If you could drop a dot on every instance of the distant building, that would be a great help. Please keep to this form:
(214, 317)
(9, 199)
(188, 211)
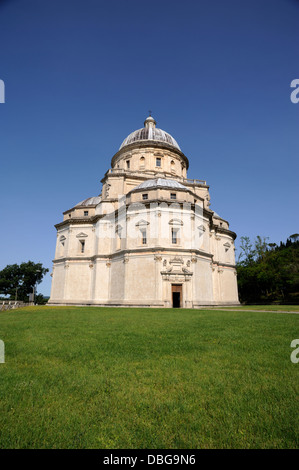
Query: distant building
(150, 237)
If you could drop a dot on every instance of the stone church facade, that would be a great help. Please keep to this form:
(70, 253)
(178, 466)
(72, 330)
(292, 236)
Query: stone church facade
(149, 239)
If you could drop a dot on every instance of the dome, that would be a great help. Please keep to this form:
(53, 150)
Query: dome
(90, 201)
(150, 132)
(162, 183)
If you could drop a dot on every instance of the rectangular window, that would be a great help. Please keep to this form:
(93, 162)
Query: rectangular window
(85, 213)
(172, 196)
(174, 236)
(144, 197)
(82, 242)
(144, 239)
(158, 161)
(128, 164)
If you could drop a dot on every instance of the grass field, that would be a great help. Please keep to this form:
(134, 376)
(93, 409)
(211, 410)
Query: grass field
(148, 378)
(267, 308)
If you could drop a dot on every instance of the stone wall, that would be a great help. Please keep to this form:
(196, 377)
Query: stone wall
(11, 304)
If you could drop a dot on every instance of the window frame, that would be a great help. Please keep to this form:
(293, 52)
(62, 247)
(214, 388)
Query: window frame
(143, 236)
(82, 246)
(174, 236)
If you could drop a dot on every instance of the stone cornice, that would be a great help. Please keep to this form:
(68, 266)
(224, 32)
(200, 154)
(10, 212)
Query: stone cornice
(224, 265)
(121, 253)
(167, 188)
(91, 206)
(147, 175)
(78, 221)
(225, 231)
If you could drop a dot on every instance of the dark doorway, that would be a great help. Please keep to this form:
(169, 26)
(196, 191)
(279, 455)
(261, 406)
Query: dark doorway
(176, 295)
(176, 299)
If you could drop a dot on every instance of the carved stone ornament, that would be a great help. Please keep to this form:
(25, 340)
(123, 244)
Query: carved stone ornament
(177, 272)
(176, 260)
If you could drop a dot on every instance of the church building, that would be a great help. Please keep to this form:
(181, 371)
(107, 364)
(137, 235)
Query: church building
(149, 239)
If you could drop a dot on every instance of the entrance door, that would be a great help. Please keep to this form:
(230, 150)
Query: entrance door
(177, 297)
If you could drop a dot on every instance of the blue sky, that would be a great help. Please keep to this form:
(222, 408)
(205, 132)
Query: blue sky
(80, 76)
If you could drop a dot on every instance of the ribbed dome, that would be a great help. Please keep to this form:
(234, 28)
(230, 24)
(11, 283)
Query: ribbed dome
(150, 132)
(90, 201)
(162, 183)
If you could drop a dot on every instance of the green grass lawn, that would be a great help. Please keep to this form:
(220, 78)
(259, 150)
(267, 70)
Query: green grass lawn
(147, 378)
(274, 308)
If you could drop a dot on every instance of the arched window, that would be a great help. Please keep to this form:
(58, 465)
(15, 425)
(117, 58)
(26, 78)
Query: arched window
(142, 163)
(172, 166)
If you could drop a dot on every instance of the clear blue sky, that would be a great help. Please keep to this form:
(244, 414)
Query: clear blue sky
(81, 75)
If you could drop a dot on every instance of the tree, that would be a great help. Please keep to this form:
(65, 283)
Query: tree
(251, 252)
(246, 255)
(10, 279)
(267, 272)
(18, 281)
(260, 247)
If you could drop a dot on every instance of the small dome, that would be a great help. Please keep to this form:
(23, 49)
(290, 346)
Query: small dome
(90, 201)
(161, 183)
(148, 120)
(150, 132)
